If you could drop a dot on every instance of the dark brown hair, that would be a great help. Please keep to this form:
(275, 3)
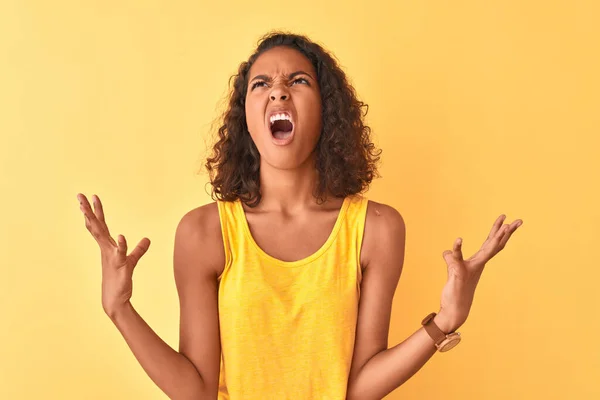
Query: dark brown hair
(345, 157)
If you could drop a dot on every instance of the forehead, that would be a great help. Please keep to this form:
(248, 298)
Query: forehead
(281, 61)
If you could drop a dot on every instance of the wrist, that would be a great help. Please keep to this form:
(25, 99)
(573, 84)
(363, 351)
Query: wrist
(115, 313)
(445, 323)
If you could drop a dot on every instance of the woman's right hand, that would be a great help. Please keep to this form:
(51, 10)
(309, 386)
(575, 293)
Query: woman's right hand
(117, 267)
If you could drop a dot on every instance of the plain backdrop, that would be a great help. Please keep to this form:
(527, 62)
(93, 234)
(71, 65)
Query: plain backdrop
(481, 108)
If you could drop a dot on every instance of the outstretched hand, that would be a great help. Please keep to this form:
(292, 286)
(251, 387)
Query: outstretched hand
(463, 275)
(117, 266)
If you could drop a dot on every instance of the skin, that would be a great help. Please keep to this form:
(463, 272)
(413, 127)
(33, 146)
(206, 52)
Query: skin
(378, 370)
(287, 177)
(287, 173)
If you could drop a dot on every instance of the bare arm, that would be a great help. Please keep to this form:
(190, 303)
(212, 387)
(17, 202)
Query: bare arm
(177, 374)
(377, 370)
(390, 368)
(193, 372)
(172, 372)
(199, 257)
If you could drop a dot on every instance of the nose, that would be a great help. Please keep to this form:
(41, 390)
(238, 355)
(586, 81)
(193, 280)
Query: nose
(283, 97)
(279, 92)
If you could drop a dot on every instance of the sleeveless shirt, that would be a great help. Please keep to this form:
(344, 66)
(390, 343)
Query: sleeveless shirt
(287, 328)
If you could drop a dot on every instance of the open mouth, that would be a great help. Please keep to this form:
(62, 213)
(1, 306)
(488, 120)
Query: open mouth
(281, 125)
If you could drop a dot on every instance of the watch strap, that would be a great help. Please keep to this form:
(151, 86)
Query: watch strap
(432, 329)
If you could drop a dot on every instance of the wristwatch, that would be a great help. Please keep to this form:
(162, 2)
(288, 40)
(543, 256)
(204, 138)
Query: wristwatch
(443, 341)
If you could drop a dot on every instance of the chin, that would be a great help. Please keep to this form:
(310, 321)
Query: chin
(287, 161)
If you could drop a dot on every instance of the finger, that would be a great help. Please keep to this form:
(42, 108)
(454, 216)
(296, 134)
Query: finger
(85, 208)
(98, 207)
(99, 212)
(122, 246)
(87, 222)
(508, 233)
(98, 229)
(501, 233)
(490, 246)
(458, 249)
(140, 250)
(504, 239)
(496, 226)
(447, 254)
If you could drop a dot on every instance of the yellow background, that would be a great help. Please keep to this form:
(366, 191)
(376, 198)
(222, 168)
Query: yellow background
(481, 108)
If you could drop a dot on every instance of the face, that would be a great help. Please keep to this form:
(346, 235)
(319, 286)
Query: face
(282, 84)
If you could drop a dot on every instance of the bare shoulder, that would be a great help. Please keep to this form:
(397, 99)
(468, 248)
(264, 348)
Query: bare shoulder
(197, 258)
(384, 226)
(382, 259)
(201, 228)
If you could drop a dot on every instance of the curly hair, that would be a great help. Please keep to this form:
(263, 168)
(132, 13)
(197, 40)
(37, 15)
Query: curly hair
(346, 160)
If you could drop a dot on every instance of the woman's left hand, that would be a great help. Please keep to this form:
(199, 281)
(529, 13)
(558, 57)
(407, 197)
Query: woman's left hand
(463, 275)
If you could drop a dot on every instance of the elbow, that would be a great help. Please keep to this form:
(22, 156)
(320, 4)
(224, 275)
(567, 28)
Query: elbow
(195, 396)
(354, 392)
(350, 396)
(351, 393)
(354, 396)
(197, 392)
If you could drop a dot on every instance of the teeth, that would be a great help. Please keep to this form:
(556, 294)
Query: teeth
(276, 117)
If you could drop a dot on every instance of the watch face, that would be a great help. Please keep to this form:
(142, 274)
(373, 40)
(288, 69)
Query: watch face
(449, 343)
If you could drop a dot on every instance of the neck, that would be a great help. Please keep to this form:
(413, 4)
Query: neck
(289, 190)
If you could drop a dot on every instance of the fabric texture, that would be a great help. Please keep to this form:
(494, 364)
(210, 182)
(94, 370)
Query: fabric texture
(288, 328)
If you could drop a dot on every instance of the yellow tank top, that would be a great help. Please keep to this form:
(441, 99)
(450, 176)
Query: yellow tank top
(288, 328)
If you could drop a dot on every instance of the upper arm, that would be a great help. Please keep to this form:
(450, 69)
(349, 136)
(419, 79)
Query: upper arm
(384, 242)
(196, 259)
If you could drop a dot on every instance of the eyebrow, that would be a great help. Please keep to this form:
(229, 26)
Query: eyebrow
(290, 76)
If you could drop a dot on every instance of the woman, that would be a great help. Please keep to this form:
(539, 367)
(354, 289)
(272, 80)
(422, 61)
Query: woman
(286, 281)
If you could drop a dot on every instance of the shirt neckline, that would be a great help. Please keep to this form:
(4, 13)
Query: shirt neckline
(305, 260)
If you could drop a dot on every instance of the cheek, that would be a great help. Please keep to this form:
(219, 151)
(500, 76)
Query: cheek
(314, 113)
(254, 115)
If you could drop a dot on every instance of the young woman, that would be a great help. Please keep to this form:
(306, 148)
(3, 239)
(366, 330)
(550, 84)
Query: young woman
(286, 281)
